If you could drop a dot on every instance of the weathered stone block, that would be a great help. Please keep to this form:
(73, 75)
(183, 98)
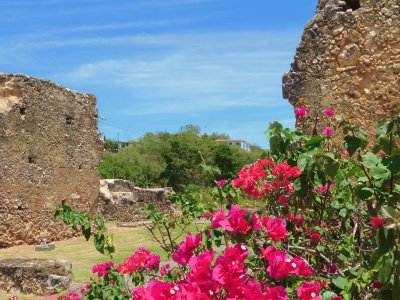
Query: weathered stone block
(35, 276)
(49, 153)
(351, 49)
(121, 201)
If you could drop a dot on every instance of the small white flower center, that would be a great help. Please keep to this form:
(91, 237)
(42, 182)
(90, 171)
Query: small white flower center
(294, 265)
(176, 288)
(211, 293)
(287, 260)
(243, 247)
(313, 294)
(233, 263)
(172, 291)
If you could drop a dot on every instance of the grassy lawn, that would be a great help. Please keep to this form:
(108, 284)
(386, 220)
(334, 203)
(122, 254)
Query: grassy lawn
(83, 255)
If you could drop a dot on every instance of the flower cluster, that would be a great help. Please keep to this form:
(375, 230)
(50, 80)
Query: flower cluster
(186, 249)
(257, 181)
(140, 260)
(228, 278)
(236, 221)
(102, 269)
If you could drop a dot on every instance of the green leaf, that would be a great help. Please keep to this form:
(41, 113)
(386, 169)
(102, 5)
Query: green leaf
(353, 143)
(390, 212)
(315, 141)
(370, 160)
(382, 127)
(380, 173)
(305, 160)
(340, 282)
(328, 295)
(386, 269)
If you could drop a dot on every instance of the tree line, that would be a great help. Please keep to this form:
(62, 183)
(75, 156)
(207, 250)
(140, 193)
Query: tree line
(175, 159)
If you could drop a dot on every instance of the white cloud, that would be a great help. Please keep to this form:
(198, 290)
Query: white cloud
(196, 72)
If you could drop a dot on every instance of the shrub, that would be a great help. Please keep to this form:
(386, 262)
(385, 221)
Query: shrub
(328, 229)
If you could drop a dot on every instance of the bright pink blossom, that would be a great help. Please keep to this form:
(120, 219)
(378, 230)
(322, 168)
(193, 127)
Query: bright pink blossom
(301, 112)
(377, 222)
(140, 260)
(323, 189)
(229, 266)
(309, 291)
(275, 293)
(72, 296)
(276, 228)
(186, 248)
(376, 284)
(315, 236)
(284, 170)
(283, 200)
(330, 112)
(102, 269)
(328, 131)
(221, 183)
(337, 298)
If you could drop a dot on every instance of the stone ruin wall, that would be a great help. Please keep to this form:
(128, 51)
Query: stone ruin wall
(49, 153)
(120, 201)
(349, 59)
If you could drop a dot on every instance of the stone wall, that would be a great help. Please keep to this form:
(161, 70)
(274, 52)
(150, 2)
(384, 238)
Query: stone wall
(121, 201)
(49, 153)
(349, 59)
(35, 276)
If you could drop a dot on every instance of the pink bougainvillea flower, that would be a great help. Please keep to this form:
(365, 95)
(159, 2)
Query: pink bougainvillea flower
(229, 267)
(330, 112)
(323, 189)
(220, 219)
(301, 112)
(284, 200)
(314, 237)
(157, 290)
(275, 293)
(164, 269)
(256, 222)
(377, 222)
(337, 298)
(328, 131)
(276, 228)
(309, 291)
(102, 269)
(186, 249)
(300, 267)
(71, 296)
(140, 260)
(221, 183)
(376, 284)
(237, 221)
(284, 170)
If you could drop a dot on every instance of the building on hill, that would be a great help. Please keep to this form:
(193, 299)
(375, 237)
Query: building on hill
(240, 143)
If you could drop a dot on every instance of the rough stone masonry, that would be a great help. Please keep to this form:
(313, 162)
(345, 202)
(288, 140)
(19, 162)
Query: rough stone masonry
(349, 59)
(49, 153)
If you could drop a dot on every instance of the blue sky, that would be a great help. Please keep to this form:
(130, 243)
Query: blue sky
(156, 65)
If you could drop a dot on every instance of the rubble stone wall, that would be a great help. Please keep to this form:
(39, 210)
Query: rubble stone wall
(35, 276)
(349, 59)
(49, 153)
(120, 201)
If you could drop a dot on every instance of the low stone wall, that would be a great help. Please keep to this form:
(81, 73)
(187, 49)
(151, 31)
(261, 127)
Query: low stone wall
(35, 276)
(120, 201)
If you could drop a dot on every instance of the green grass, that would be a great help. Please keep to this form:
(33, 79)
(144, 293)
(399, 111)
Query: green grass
(83, 255)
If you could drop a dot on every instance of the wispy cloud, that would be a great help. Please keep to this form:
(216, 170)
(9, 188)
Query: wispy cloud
(194, 73)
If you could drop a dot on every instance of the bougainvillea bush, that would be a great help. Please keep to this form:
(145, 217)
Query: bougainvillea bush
(328, 226)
